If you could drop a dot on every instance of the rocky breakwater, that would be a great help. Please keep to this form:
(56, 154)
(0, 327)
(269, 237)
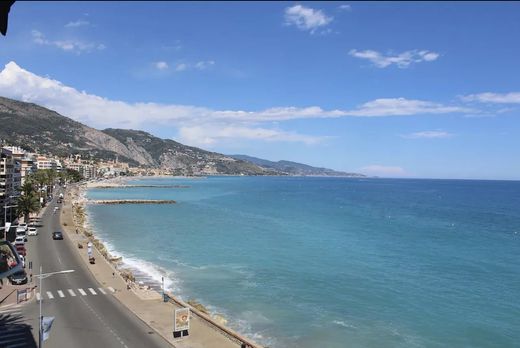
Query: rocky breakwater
(133, 201)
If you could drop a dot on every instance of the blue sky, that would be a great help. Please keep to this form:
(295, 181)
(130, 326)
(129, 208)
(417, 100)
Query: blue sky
(425, 90)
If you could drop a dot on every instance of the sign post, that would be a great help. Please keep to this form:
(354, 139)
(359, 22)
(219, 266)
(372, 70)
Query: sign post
(181, 322)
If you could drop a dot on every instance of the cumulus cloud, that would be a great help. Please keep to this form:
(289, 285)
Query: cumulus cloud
(78, 23)
(76, 46)
(161, 65)
(306, 18)
(428, 135)
(100, 112)
(385, 171)
(497, 98)
(402, 60)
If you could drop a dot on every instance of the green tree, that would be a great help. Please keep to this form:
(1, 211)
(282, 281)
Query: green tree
(39, 178)
(72, 175)
(27, 204)
(28, 188)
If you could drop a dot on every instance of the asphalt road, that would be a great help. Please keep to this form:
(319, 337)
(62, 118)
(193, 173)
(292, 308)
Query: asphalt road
(86, 314)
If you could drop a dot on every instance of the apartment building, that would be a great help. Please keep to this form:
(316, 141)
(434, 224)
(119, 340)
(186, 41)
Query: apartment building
(10, 182)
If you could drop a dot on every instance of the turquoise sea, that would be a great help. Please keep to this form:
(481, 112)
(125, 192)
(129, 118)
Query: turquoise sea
(332, 262)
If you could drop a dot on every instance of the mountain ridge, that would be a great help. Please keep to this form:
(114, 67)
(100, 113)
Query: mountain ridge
(45, 131)
(295, 168)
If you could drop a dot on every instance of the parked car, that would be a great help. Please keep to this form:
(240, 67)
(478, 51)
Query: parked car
(19, 240)
(57, 235)
(32, 231)
(20, 249)
(18, 278)
(21, 233)
(22, 225)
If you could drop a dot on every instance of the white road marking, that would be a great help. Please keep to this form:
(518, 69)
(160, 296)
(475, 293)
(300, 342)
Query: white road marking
(82, 292)
(92, 291)
(50, 295)
(38, 296)
(71, 292)
(61, 293)
(111, 289)
(102, 291)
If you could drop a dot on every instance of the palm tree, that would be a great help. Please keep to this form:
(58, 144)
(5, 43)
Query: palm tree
(27, 204)
(51, 178)
(28, 188)
(40, 178)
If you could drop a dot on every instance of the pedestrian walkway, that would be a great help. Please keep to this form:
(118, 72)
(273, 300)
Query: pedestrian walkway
(57, 294)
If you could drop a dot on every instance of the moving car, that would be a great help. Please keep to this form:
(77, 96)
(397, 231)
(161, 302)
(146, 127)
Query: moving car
(32, 231)
(18, 278)
(20, 240)
(23, 225)
(57, 235)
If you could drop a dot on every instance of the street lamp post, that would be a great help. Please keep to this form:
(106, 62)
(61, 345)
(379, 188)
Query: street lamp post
(40, 321)
(5, 216)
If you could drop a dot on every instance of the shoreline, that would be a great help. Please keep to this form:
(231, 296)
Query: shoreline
(142, 284)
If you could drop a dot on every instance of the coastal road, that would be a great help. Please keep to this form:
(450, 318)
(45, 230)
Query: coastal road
(86, 314)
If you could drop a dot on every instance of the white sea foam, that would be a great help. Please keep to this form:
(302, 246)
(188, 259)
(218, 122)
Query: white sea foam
(156, 273)
(344, 324)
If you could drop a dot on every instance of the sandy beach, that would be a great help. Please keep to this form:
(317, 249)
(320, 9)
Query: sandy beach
(133, 290)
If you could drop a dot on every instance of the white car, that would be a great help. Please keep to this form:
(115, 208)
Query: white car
(32, 231)
(24, 226)
(19, 240)
(21, 233)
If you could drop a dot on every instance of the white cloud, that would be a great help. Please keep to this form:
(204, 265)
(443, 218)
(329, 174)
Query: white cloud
(76, 46)
(203, 65)
(402, 60)
(181, 67)
(404, 107)
(208, 135)
(306, 18)
(100, 112)
(345, 7)
(428, 135)
(161, 65)
(385, 171)
(78, 23)
(496, 98)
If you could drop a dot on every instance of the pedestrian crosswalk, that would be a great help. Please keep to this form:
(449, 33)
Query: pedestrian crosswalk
(51, 295)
